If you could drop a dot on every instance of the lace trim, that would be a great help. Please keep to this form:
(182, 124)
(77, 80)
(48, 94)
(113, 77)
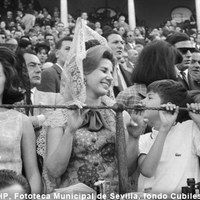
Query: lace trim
(56, 118)
(48, 183)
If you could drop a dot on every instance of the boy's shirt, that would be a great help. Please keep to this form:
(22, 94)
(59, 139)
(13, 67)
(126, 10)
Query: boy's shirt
(179, 159)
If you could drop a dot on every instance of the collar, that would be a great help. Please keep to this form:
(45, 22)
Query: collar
(154, 134)
(179, 74)
(33, 90)
(59, 66)
(131, 43)
(32, 94)
(141, 89)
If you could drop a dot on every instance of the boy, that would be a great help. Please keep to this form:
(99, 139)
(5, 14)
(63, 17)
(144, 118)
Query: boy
(169, 154)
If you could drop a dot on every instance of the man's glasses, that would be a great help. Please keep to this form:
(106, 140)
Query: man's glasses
(184, 50)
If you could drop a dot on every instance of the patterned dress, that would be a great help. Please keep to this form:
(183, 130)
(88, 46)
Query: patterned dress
(10, 142)
(93, 152)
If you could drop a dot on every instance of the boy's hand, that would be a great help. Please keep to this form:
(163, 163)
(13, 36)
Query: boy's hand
(136, 126)
(168, 117)
(194, 112)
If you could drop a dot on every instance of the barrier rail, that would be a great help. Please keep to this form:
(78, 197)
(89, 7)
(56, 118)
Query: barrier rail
(120, 134)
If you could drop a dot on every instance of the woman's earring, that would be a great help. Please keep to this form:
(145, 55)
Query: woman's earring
(85, 81)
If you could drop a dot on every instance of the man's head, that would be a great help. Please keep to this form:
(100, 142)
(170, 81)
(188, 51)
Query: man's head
(33, 65)
(197, 39)
(17, 35)
(25, 43)
(49, 38)
(132, 55)
(84, 15)
(183, 43)
(2, 36)
(62, 49)
(196, 60)
(116, 43)
(130, 37)
(194, 69)
(11, 183)
(60, 27)
(9, 14)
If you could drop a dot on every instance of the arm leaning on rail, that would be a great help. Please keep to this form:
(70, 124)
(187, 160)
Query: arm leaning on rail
(135, 126)
(72, 107)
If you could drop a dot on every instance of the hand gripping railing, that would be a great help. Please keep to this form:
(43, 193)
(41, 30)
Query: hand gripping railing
(120, 134)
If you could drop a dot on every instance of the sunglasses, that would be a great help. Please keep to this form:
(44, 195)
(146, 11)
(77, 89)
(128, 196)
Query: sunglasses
(184, 50)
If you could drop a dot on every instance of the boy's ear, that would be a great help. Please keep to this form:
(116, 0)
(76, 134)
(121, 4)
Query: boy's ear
(57, 53)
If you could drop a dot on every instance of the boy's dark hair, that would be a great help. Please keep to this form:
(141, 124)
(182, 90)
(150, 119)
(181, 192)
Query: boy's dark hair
(173, 92)
(59, 43)
(10, 178)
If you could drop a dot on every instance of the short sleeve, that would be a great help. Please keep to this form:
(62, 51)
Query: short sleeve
(57, 118)
(145, 143)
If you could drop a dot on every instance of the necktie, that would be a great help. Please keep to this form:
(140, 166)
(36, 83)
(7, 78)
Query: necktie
(183, 74)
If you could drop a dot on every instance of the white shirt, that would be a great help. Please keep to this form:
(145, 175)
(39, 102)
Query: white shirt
(132, 45)
(118, 79)
(179, 73)
(179, 159)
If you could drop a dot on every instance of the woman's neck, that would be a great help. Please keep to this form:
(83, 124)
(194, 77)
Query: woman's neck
(93, 101)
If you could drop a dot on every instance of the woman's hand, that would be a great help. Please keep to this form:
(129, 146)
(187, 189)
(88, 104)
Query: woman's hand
(75, 116)
(168, 116)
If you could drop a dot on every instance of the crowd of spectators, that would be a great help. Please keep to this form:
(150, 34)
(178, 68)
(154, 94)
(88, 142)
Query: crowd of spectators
(134, 60)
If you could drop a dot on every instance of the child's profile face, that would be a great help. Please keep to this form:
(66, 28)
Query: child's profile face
(152, 100)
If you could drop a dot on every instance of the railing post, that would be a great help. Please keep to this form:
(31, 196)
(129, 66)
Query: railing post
(121, 150)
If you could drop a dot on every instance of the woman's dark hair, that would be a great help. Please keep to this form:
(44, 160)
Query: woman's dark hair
(9, 178)
(173, 92)
(12, 92)
(40, 46)
(156, 62)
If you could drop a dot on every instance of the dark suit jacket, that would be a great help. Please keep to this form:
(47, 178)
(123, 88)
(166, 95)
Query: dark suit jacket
(50, 81)
(127, 78)
(184, 83)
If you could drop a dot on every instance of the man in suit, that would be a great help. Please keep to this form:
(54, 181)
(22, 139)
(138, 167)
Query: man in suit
(33, 66)
(51, 76)
(121, 79)
(186, 47)
(130, 41)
